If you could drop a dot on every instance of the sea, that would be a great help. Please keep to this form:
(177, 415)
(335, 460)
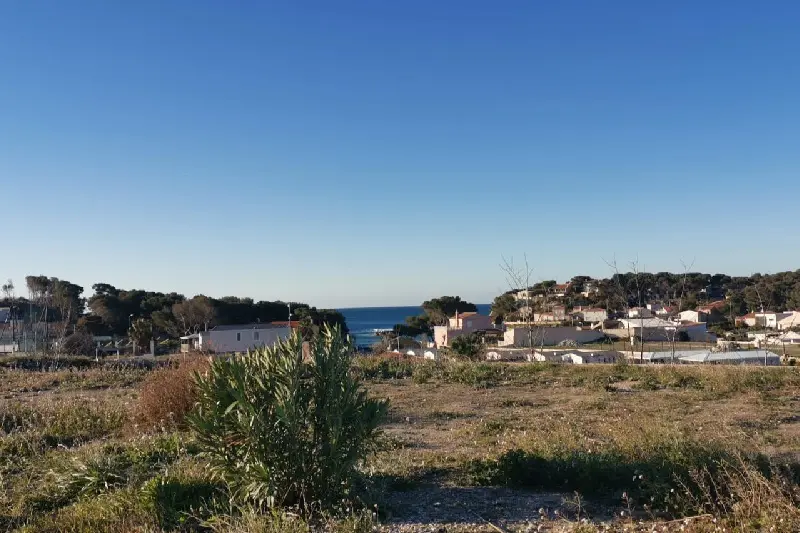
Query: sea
(365, 322)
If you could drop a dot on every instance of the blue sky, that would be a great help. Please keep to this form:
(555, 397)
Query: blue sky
(380, 153)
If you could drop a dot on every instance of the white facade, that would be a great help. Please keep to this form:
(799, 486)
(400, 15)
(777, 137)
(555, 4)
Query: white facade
(546, 336)
(239, 338)
(524, 294)
(639, 312)
(791, 320)
(656, 329)
(593, 315)
(692, 316)
(770, 320)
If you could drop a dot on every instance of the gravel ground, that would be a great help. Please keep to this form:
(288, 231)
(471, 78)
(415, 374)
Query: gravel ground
(461, 509)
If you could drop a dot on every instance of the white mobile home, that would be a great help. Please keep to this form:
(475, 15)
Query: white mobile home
(235, 338)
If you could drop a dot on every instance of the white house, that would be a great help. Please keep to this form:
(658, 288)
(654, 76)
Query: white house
(546, 336)
(666, 311)
(693, 316)
(748, 320)
(790, 337)
(770, 319)
(235, 338)
(524, 294)
(592, 314)
(791, 320)
(657, 329)
(639, 312)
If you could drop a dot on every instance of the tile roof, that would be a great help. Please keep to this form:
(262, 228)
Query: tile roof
(257, 325)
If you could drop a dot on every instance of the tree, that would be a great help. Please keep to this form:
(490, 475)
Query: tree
(67, 300)
(421, 323)
(79, 343)
(192, 316)
(92, 325)
(39, 292)
(439, 310)
(8, 291)
(313, 320)
(141, 332)
(10, 299)
(505, 307)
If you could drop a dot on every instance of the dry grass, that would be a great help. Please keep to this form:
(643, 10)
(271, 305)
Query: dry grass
(724, 439)
(168, 394)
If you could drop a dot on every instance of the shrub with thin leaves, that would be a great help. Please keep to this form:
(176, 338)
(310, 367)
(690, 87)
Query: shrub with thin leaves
(283, 430)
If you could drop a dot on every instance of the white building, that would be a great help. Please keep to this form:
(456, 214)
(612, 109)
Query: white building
(547, 336)
(639, 312)
(693, 316)
(770, 319)
(657, 329)
(235, 338)
(592, 314)
(791, 320)
(790, 337)
(524, 295)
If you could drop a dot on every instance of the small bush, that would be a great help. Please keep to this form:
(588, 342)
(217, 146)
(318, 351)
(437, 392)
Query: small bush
(386, 366)
(282, 431)
(168, 394)
(78, 344)
(468, 347)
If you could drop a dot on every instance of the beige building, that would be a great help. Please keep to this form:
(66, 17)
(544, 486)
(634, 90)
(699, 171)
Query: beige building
(460, 324)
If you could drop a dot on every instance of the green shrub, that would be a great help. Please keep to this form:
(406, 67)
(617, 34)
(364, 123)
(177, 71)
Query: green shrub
(467, 346)
(386, 366)
(279, 430)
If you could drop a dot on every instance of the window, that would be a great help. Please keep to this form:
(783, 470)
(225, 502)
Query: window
(238, 337)
(255, 335)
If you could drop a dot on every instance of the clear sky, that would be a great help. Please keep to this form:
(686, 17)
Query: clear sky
(350, 153)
